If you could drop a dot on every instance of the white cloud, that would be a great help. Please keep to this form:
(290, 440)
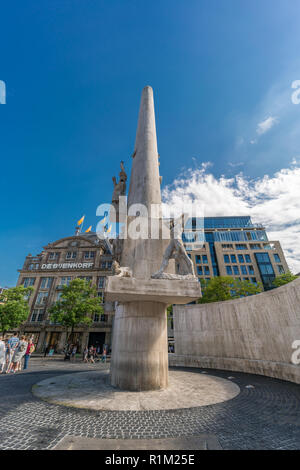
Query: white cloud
(273, 201)
(266, 125)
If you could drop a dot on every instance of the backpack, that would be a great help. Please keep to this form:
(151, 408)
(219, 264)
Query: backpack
(22, 347)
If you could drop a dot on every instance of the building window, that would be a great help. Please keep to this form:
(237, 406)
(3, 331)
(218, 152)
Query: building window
(89, 254)
(29, 281)
(37, 315)
(101, 282)
(33, 266)
(255, 246)
(100, 294)
(41, 298)
(243, 270)
(226, 259)
(53, 255)
(86, 278)
(277, 258)
(71, 254)
(96, 317)
(229, 270)
(204, 259)
(248, 258)
(280, 269)
(199, 270)
(250, 270)
(240, 246)
(198, 259)
(105, 264)
(236, 270)
(65, 281)
(233, 258)
(227, 247)
(266, 269)
(253, 280)
(58, 296)
(206, 271)
(262, 257)
(241, 259)
(46, 282)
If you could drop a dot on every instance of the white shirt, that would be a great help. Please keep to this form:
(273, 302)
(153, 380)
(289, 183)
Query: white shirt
(2, 351)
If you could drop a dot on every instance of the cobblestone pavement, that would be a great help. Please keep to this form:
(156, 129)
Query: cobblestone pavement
(265, 415)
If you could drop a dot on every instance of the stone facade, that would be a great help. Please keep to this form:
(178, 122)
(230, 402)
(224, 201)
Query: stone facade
(82, 255)
(255, 334)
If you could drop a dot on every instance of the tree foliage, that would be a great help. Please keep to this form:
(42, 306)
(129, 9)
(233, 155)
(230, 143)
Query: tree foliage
(14, 309)
(77, 303)
(284, 279)
(222, 288)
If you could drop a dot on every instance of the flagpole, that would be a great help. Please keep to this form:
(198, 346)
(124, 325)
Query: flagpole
(81, 225)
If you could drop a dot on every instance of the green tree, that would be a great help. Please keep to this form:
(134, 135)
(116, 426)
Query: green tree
(14, 308)
(76, 305)
(222, 288)
(284, 279)
(169, 314)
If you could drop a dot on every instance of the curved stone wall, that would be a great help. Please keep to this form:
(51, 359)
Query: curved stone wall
(253, 334)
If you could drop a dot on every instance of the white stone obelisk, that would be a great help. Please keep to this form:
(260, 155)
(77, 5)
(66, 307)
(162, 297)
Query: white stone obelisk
(139, 348)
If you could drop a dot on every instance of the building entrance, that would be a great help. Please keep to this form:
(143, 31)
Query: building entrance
(97, 340)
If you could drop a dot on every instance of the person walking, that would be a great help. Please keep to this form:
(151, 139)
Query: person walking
(12, 344)
(2, 353)
(47, 349)
(19, 352)
(30, 349)
(85, 354)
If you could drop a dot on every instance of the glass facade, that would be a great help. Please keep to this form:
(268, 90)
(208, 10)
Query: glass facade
(223, 239)
(266, 269)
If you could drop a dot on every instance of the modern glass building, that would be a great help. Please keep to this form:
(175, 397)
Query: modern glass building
(233, 246)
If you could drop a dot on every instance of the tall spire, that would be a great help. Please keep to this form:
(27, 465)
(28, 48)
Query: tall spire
(144, 182)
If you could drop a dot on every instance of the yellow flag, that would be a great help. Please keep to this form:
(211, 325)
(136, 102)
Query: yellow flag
(80, 220)
(89, 229)
(108, 230)
(103, 220)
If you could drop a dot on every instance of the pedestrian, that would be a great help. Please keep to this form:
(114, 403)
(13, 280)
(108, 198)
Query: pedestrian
(85, 354)
(19, 352)
(73, 352)
(103, 359)
(12, 344)
(2, 353)
(91, 355)
(30, 349)
(47, 349)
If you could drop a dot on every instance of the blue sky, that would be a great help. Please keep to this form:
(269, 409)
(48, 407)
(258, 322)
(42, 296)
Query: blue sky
(74, 70)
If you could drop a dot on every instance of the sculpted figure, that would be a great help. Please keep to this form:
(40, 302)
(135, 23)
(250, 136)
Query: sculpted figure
(120, 187)
(175, 250)
(121, 271)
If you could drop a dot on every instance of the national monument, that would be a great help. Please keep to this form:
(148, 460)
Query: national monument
(145, 282)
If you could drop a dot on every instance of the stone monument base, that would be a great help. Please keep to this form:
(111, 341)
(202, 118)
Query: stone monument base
(91, 390)
(167, 290)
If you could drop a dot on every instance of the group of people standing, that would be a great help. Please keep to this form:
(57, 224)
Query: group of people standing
(15, 353)
(91, 354)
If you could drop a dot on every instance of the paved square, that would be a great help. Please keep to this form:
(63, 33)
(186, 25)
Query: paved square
(264, 416)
